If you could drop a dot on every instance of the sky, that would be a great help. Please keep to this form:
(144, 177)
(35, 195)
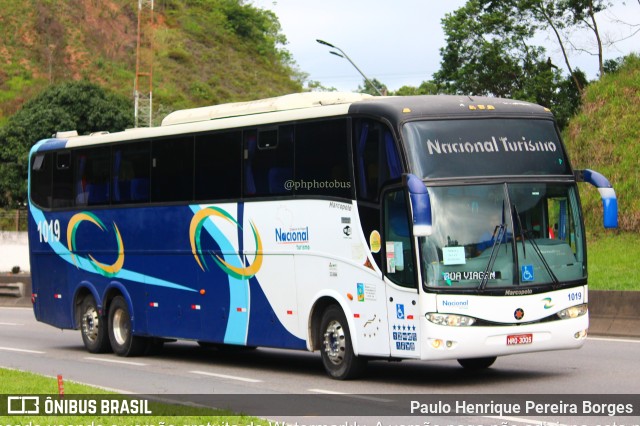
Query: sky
(398, 42)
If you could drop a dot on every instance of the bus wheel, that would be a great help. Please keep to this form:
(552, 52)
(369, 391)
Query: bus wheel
(93, 327)
(477, 363)
(337, 351)
(123, 342)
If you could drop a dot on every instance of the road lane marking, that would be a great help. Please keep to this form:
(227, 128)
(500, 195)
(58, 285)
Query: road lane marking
(115, 361)
(26, 351)
(365, 397)
(612, 339)
(527, 421)
(10, 323)
(224, 376)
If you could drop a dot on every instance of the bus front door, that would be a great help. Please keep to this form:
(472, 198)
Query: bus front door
(400, 280)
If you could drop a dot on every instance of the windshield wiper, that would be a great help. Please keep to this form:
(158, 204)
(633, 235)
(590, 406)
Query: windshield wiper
(536, 248)
(499, 233)
(515, 211)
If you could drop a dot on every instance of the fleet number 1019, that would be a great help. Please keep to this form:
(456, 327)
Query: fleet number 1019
(575, 296)
(49, 231)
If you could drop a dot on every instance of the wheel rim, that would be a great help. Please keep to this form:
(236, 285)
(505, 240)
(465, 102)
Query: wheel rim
(120, 326)
(91, 324)
(334, 342)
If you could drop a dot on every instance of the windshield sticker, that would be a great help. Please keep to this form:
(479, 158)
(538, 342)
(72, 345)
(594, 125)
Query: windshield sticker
(453, 255)
(526, 272)
(395, 256)
(449, 277)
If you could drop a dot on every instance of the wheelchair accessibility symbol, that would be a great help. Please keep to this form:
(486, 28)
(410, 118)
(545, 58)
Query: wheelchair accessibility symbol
(526, 272)
(400, 311)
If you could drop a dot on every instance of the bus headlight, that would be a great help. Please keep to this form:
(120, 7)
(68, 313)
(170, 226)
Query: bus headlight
(573, 312)
(450, 319)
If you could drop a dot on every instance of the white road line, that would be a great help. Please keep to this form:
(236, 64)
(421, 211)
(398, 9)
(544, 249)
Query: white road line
(527, 421)
(612, 339)
(115, 361)
(365, 397)
(26, 351)
(10, 323)
(224, 376)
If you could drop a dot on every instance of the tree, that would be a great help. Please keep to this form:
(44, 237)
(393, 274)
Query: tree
(562, 17)
(373, 87)
(426, 88)
(487, 51)
(80, 106)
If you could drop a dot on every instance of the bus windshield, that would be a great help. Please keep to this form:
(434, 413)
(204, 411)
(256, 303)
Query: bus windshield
(504, 235)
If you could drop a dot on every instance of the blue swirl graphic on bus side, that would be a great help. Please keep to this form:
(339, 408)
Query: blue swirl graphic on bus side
(61, 250)
(239, 294)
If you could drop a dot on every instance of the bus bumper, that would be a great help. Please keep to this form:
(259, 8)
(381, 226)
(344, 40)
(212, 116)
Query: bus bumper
(445, 342)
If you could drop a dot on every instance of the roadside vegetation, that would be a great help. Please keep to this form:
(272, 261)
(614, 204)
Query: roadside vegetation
(613, 261)
(19, 383)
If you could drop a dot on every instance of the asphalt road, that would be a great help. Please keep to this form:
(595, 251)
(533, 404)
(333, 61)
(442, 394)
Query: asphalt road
(601, 367)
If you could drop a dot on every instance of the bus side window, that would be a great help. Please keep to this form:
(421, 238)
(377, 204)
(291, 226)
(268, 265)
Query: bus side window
(376, 158)
(172, 169)
(62, 181)
(322, 159)
(91, 176)
(41, 170)
(268, 161)
(218, 166)
(397, 237)
(131, 170)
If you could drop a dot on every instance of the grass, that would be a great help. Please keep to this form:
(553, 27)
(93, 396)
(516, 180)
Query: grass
(13, 382)
(612, 261)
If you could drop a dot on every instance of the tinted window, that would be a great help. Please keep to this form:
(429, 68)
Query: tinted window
(397, 238)
(322, 159)
(92, 176)
(172, 169)
(492, 147)
(63, 195)
(218, 166)
(377, 158)
(41, 168)
(131, 170)
(268, 161)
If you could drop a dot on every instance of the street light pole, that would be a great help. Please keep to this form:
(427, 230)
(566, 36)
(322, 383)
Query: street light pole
(343, 55)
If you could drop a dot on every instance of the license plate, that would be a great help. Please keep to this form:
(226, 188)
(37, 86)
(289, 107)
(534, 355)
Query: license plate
(519, 339)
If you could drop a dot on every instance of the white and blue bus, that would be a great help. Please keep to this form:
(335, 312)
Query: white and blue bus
(430, 227)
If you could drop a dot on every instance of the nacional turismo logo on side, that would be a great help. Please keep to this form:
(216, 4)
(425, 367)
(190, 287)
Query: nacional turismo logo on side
(293, 235)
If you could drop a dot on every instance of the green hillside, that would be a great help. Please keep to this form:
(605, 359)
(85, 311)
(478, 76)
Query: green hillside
(205, 51)
(605, 136)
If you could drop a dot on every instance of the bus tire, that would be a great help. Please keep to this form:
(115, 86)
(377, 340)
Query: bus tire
(336, 349)
(477, 363)
(123, 342)
(93, 327)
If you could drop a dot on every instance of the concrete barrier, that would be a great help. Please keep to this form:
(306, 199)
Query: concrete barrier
(612, 313)
(15, 290)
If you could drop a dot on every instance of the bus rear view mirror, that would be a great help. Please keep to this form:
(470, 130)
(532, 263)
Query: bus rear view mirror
(607, 193)
(420, 206)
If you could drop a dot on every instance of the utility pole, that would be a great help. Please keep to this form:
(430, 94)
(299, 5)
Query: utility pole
(143, 85)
